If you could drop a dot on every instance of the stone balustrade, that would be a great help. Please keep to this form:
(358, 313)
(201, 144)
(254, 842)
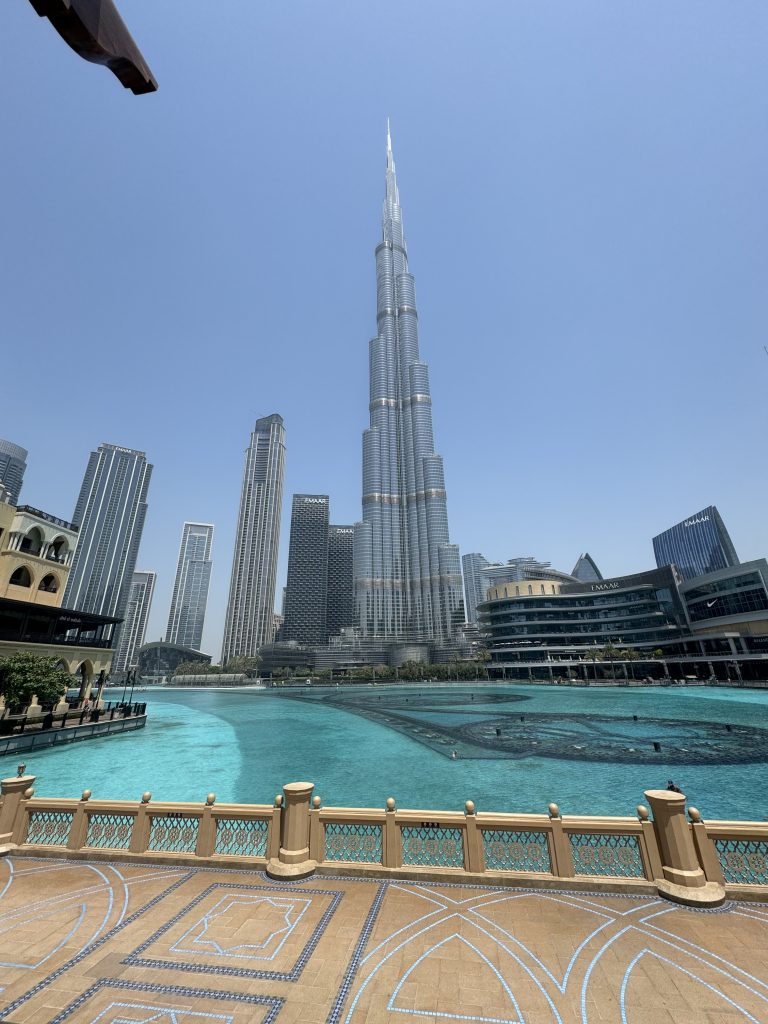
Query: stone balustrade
(657, 851)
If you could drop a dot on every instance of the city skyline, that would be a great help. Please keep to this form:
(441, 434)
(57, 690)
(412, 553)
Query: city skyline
(583, 227)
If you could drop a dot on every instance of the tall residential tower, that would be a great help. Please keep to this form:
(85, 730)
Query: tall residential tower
(110, 514)
(134, 629)
(407, 573)
(190, 589)
(307, 581)
(250, 609)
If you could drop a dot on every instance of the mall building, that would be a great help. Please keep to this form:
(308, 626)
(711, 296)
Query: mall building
(647, 625)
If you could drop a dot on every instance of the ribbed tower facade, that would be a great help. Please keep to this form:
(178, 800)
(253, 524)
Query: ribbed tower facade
(110, 513)
(134, 628)
(407, 573)
(250, 610)
(190, 589)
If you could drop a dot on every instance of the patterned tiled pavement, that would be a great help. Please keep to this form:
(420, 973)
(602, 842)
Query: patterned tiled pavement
(129, 944)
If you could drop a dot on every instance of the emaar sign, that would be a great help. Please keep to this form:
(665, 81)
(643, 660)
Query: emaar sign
(614, 585)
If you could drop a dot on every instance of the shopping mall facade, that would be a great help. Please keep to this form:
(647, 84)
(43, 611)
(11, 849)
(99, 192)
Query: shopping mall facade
(647, 625)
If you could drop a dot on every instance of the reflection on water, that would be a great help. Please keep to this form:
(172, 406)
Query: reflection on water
(244, 745)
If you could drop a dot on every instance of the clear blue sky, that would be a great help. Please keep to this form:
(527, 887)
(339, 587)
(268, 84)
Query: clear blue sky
(584, 188)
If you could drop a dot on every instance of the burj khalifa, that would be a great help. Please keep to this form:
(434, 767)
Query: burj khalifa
(407, 573)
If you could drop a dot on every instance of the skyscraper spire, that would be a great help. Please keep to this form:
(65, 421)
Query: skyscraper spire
(407, 573)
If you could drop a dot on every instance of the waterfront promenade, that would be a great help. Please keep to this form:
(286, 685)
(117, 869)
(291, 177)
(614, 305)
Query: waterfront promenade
(115, 942)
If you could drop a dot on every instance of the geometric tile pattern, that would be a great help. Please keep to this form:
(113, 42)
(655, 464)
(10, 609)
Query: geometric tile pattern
(109, 943)
(617, 856)
(433, 847)
(241, 838)
(349, 842)
(516, 851)
(231, 930)
(743, 862)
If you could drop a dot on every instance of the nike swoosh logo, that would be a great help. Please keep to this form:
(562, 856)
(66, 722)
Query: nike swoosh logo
(710, 603)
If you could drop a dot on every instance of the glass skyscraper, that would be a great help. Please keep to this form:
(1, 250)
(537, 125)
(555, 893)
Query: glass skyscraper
(134, 628)
(250, 609)
(407, 573)
(110, 513)
(13, 462)
(341, 605)
(697, 545)
(307, 582)
(190, 589)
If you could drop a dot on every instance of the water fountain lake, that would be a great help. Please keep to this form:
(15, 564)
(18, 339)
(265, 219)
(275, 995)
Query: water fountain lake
(582, 748)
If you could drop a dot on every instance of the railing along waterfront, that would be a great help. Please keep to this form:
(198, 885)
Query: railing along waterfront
(690, 861)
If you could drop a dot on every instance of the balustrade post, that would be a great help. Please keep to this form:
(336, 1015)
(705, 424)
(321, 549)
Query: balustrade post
(78, 830)
(654, 869)
(561, 855)
(474, 854)
(392, 846)
(705, 848)
(141, 826)
(206, 832)
(12, 807)
(316, 833)
(293, 859)
(273, 832)
(682, 879)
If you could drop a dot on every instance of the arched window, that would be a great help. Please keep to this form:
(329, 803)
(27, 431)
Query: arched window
(33, 541)
(517, 591)
(21, 577)
(530, 590)
(58, 550)
(542, 588)
(49, 584)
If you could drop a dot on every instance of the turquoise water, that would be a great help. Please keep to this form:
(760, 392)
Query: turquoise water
(244, 745)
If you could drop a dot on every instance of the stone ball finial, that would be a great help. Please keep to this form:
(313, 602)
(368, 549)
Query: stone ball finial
(316, 801)
(279, 800)
(554, 811)
(210, 799)
(469, 807)
(146, 797)
(86, 794)
(29, 793)
(642, 812)
(390, 803)
(694, 815)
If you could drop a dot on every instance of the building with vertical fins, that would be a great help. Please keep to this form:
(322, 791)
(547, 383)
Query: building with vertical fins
(407, 573)
(340, 604)
(307, 582)
(698, 545)
(13, 463)
(250, 609)
(110, 515)
(134, 627)
(190, 589)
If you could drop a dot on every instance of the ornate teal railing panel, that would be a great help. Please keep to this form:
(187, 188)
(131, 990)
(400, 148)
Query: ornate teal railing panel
(236, 837)
(433, 847)
(618, 856)
(169, 834)
(353, 842)
(49, 828)
(109, 831)
(516, 851)
(744, 862)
